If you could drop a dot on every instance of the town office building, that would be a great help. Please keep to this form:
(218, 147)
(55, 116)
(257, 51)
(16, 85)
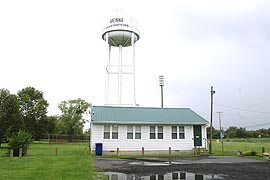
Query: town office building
(136, 130)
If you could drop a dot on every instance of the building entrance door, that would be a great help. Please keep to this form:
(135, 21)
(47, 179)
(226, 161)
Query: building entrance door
(197, 131)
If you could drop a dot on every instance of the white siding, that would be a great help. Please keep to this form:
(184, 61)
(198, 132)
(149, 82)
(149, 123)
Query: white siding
(125, 144)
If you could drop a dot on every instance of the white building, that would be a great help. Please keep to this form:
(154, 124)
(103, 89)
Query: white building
(143, 130)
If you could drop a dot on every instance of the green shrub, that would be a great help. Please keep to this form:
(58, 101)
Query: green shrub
(249, 153)
(20, 140)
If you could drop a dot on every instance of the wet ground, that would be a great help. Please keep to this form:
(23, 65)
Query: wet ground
(203, 167)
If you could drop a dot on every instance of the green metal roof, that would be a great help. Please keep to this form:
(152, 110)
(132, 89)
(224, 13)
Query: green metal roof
(144, 115)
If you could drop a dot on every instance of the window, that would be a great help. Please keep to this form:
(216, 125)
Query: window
(106, 134)
(182, 175)
(114, 176)
(181, 132)
(152, 132)
(129, 132)
(137, 132)
(153, 177)
(114, 132)
(160, 132)
(160, 177)
(174, 132)
(174, 175)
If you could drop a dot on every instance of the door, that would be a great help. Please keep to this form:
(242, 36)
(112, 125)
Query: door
(197, 131)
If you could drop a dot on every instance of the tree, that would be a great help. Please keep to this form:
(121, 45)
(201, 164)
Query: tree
(215, 133)
(11, 118)
(34, 109)
(3, 94)
(19, 140)
(71, 120)
(231, 132)
(49, 125)
(241, 133)
(264, 133)
(234, 132)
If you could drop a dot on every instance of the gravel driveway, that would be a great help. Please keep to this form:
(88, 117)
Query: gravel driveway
(218, 167)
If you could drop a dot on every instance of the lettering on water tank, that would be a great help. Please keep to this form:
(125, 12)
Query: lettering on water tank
(116, 20)
(116, 25)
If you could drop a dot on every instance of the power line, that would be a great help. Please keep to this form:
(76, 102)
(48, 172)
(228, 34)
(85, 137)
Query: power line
(257, 125)
(231, 107)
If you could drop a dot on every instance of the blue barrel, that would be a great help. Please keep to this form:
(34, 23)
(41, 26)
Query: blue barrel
(99, 149)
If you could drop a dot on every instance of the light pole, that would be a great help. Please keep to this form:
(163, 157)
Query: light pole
(161, 83)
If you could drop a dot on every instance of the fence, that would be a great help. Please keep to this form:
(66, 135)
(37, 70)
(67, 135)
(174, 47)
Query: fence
(62, 138)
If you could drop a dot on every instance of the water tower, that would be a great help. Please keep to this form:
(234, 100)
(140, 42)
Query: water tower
(120, 36)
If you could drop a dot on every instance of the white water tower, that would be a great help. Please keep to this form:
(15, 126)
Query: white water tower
(120, 36)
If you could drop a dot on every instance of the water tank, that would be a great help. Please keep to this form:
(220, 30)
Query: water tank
(119, 30)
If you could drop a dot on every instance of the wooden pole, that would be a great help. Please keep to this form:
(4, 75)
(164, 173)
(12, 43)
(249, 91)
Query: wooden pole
(10, 154)
(56, 151)
(263, 150)
(212, 92)
(142, 151)
(20, 152)
(161, 96)
(26, 152)
(170, 150)
(221, 131)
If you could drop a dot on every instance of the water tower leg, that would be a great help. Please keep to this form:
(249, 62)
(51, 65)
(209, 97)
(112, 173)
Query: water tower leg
(107, 79)
(133, 66)
(120, 75)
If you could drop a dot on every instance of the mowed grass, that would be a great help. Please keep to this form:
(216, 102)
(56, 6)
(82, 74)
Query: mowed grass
(232, 146)
(71, 162)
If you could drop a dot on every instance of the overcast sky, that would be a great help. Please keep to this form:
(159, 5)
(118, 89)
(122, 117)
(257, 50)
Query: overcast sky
(56, 47)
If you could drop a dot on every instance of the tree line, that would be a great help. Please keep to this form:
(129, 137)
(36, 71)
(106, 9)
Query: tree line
(235, 132)
(27, 110)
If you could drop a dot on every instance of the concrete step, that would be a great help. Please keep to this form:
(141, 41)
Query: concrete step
(201, 151)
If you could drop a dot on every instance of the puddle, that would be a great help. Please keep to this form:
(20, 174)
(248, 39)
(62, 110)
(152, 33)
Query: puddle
(150, 163)
(168, 176)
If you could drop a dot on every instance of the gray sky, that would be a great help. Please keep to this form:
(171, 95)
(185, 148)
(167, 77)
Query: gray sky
(56, 47)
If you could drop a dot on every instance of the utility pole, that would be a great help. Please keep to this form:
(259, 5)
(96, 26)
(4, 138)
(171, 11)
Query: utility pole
(161, 83)
(212, 92)
(221, 132)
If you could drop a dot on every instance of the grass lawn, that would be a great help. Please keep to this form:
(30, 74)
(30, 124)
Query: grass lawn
(41, 163)
(231, 146)
(73, 163)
